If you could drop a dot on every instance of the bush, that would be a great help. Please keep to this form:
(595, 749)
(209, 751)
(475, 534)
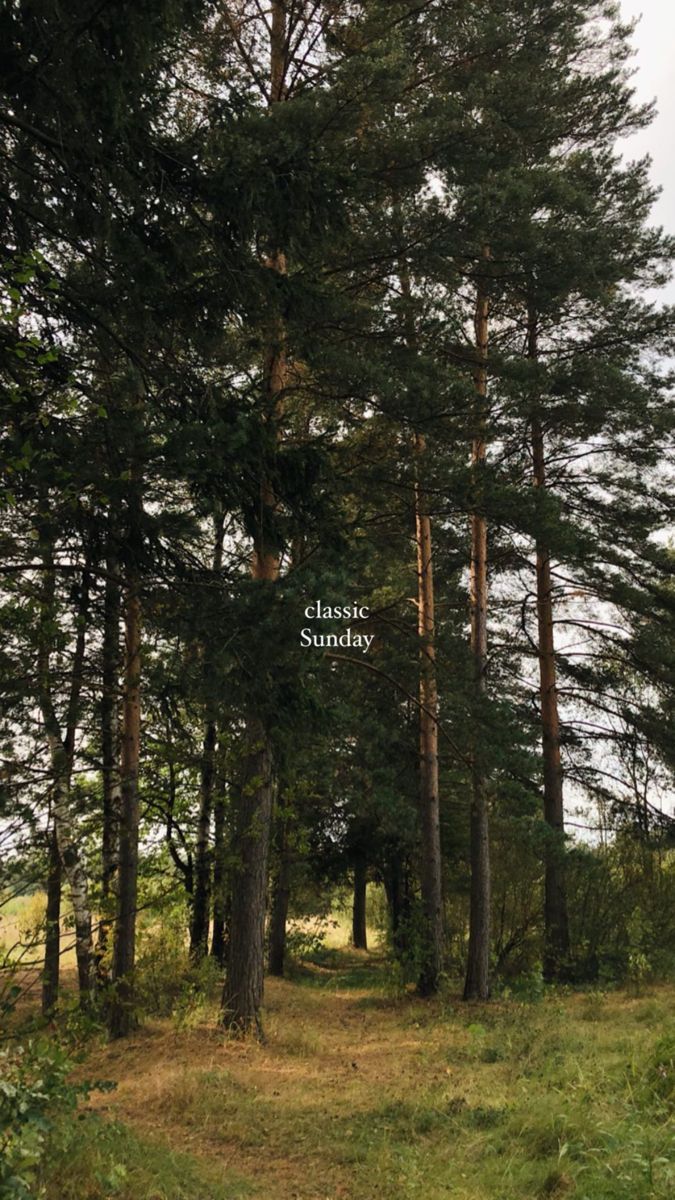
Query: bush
(306, 939)
(163, 965)
(168, 982)
(37, 1108)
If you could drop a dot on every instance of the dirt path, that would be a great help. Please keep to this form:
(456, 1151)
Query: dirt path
(358, 1096)
(277, 1111)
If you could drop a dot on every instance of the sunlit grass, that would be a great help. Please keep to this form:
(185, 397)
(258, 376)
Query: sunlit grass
(108, 1160)
(363, 1092)
(355, 1096)
(22, 927)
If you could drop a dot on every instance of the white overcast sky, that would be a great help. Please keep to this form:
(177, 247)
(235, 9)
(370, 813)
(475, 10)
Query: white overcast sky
(654, 41)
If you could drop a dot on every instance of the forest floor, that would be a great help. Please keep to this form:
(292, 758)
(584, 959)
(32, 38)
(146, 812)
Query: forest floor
(361, 1093)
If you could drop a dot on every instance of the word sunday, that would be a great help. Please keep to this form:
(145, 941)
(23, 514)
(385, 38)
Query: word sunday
(349, 639)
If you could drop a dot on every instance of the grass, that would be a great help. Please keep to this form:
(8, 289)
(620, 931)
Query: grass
(357, 1096)
(22, 927)
(363, 1092)
(108, 1159)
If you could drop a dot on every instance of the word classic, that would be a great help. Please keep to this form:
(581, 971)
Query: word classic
(318, 611)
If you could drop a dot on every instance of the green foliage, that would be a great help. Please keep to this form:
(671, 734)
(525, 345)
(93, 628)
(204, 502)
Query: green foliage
(37, 1115)
(306, 940)
(146, 203)
(621, 908)
(659, 1071)
(199, 993)
(163, 965)
(109, 1162)
(168, 982)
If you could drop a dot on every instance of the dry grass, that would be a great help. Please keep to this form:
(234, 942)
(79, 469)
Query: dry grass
(22, 928)
(360, 1093)
(355, 1095)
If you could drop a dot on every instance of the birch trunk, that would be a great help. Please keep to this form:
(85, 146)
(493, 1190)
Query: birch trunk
(220, 904)
(281, 894)
(201, 896)
(61, 751)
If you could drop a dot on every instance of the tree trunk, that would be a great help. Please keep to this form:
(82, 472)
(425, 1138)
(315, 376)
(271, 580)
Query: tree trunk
(278, 51)
(477, 984)
(122, 1017)
(392, 889)
(243, 991)
(431, 870)
(220, 903)
(359, 931)
(76, 875)
(556, 923)
(252, 818)
(201, 896)
(397, 888)
(109, 759)
(62, 751)
(281, 894)
(50, 974)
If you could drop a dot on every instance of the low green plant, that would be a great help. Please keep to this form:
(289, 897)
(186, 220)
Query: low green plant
(163, 964)
(659, 1075)
(307, 941)
(38, 1103)
(200, 987)
(110, 1162)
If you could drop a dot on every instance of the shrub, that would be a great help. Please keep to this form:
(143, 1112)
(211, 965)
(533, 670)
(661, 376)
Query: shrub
(37, 1108)
(163, 965)
(306, 939)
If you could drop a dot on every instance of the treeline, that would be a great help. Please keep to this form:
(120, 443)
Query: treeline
(350, 302)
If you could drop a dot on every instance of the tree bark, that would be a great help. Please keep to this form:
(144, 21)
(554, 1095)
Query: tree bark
(430, 820)
(122, 1018)
(201, 896)
(359, 930)
(220, 902)
(396, 886)
(431, 869)
(109, 759)
(62, 751)
(477, 983)
(556, 922)
(278, 51)
(50, 974)
(243, 991)
(281, 894)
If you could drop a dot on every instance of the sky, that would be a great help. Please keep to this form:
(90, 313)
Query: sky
(655, 80)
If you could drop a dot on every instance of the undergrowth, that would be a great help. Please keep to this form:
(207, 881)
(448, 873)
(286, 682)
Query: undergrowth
(360, 1093)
